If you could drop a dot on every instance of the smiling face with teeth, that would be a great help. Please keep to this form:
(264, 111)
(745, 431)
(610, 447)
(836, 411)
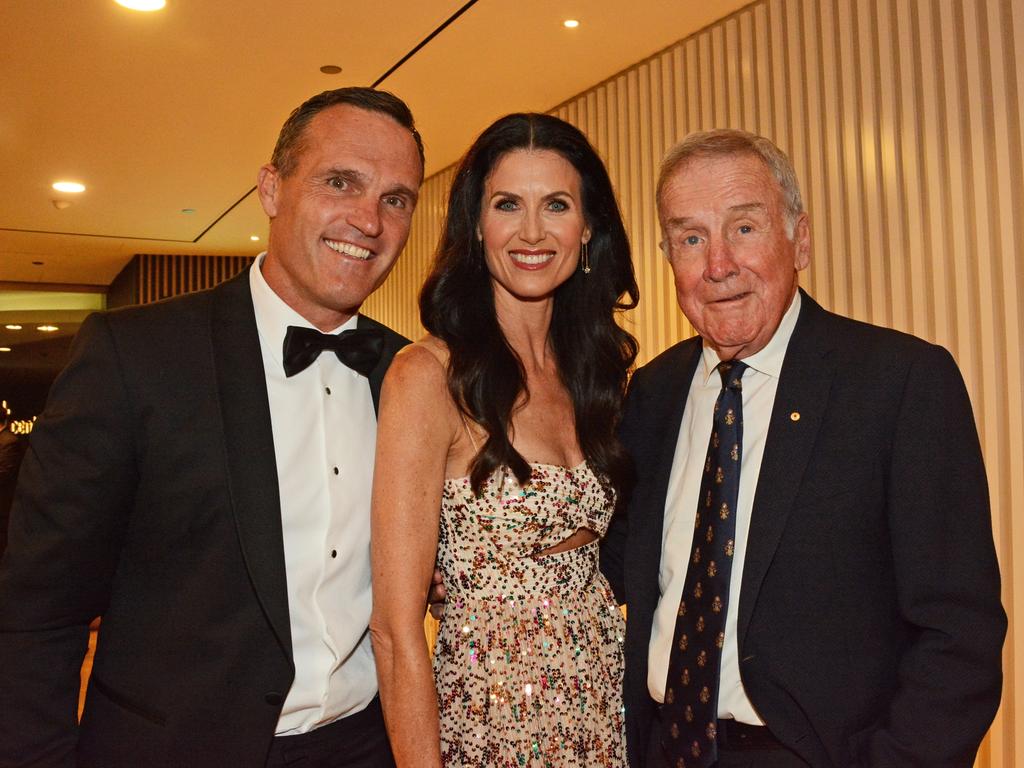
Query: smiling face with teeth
(339, 220)
(531, 224)
(734, 254)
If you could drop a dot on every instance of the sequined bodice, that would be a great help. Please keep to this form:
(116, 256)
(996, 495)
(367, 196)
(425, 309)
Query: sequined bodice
(488, 541)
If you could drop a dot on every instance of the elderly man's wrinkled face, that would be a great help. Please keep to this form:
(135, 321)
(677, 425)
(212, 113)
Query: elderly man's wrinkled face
(733, 255)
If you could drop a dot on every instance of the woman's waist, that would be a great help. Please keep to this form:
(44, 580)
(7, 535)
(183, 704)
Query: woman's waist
(494, 574)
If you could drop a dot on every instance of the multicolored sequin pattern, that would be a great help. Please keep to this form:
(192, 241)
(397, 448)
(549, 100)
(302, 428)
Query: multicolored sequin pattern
(528, 660)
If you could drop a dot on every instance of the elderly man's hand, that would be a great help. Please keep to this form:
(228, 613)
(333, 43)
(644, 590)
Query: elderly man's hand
(436, 596)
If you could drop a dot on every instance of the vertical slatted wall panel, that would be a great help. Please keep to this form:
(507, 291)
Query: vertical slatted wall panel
(161, 276)
(904, 121)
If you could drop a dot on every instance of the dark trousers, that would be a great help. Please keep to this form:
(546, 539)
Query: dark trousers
(356, 741)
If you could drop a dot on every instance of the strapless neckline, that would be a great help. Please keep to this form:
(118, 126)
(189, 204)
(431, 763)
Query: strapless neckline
(533, 466)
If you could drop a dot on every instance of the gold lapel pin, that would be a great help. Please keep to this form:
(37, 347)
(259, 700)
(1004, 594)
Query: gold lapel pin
(794, 416)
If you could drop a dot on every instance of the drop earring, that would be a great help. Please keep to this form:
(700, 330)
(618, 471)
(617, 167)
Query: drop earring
(585, 257)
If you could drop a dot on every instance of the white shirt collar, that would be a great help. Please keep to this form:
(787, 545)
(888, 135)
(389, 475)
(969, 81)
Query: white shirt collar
(273, 315)
(769, 359)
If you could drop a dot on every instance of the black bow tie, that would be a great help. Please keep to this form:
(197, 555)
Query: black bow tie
(358, 349)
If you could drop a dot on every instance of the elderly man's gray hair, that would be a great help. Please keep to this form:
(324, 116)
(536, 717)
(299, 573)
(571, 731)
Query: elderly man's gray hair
(727, 142)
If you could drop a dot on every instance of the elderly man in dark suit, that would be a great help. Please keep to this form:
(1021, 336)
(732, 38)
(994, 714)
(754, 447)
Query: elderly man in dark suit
(201, 477)
(807, 556)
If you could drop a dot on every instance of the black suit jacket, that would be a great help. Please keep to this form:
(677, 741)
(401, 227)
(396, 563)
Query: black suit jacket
(869, 624)
(149, 496)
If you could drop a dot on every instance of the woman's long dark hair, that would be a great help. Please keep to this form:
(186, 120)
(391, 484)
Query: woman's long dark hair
(594, 355)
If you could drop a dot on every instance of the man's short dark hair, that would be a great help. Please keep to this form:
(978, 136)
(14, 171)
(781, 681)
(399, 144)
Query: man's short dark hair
(290, 140)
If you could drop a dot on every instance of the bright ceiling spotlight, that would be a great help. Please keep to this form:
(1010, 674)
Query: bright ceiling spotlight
(142, 5)
(12, 327)
(69, 186)
(254, 238)
(570, 23)
(47, 328)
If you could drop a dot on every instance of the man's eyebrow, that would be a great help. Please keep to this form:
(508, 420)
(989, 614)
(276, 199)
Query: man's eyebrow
(401, 189)
(678, 221)
(345, 173)
(361, 178)
(748, 207)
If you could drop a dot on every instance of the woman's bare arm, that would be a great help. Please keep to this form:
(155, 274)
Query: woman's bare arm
(416, 428)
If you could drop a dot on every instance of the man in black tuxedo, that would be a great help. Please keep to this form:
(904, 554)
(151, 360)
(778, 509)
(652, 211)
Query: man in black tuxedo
(807, 556)
(200, 478)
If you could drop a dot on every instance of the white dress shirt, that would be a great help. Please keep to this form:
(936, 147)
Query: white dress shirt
(760, 383)
(325, 429)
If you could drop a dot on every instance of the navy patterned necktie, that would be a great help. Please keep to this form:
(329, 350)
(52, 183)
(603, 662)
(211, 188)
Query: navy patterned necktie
(690, 714)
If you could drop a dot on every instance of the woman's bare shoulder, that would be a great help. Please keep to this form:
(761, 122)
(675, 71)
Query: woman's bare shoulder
(419, 373)
(425, 357)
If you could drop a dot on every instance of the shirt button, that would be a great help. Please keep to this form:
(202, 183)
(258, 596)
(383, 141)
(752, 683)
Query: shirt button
(335, 470)
(327, 390)
(334, 553)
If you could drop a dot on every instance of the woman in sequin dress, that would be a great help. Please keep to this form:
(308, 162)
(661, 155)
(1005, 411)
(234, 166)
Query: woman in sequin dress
(497, 457)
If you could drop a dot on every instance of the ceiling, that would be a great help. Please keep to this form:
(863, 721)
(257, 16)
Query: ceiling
(169, 112)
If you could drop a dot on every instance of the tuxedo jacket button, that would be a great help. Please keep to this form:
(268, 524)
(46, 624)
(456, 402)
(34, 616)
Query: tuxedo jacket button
(274, 699)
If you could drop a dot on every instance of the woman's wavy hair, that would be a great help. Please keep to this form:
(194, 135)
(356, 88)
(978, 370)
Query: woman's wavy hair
(594, 355)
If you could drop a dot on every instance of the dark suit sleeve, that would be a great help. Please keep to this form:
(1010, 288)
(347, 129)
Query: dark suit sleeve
(613, 547)
(76, 485)
(949, 678)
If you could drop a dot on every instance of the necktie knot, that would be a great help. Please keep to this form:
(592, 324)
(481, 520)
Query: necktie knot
(359, 349)
(731, 372)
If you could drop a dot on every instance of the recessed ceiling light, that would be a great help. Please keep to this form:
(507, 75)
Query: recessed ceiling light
(47, 328)
(188, 210)
(5, 349)
(330, 69)
(69, 186)
(254, 238)
(570, 23)
(13, 327)
(142, 5)
(37, 263)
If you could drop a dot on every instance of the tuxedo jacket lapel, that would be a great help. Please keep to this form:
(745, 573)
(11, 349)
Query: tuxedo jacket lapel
(249, 449)
(800, 403)
(392, 343)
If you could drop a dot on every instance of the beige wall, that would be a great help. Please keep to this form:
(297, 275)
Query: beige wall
(904, 121)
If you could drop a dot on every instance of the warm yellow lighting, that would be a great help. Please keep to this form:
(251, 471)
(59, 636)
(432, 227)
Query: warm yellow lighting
(571, 23)
(13, 327)
(254, 238)
(5, 349)
(69, 186)
(47, 328)
(142, 5)
(22, 427)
